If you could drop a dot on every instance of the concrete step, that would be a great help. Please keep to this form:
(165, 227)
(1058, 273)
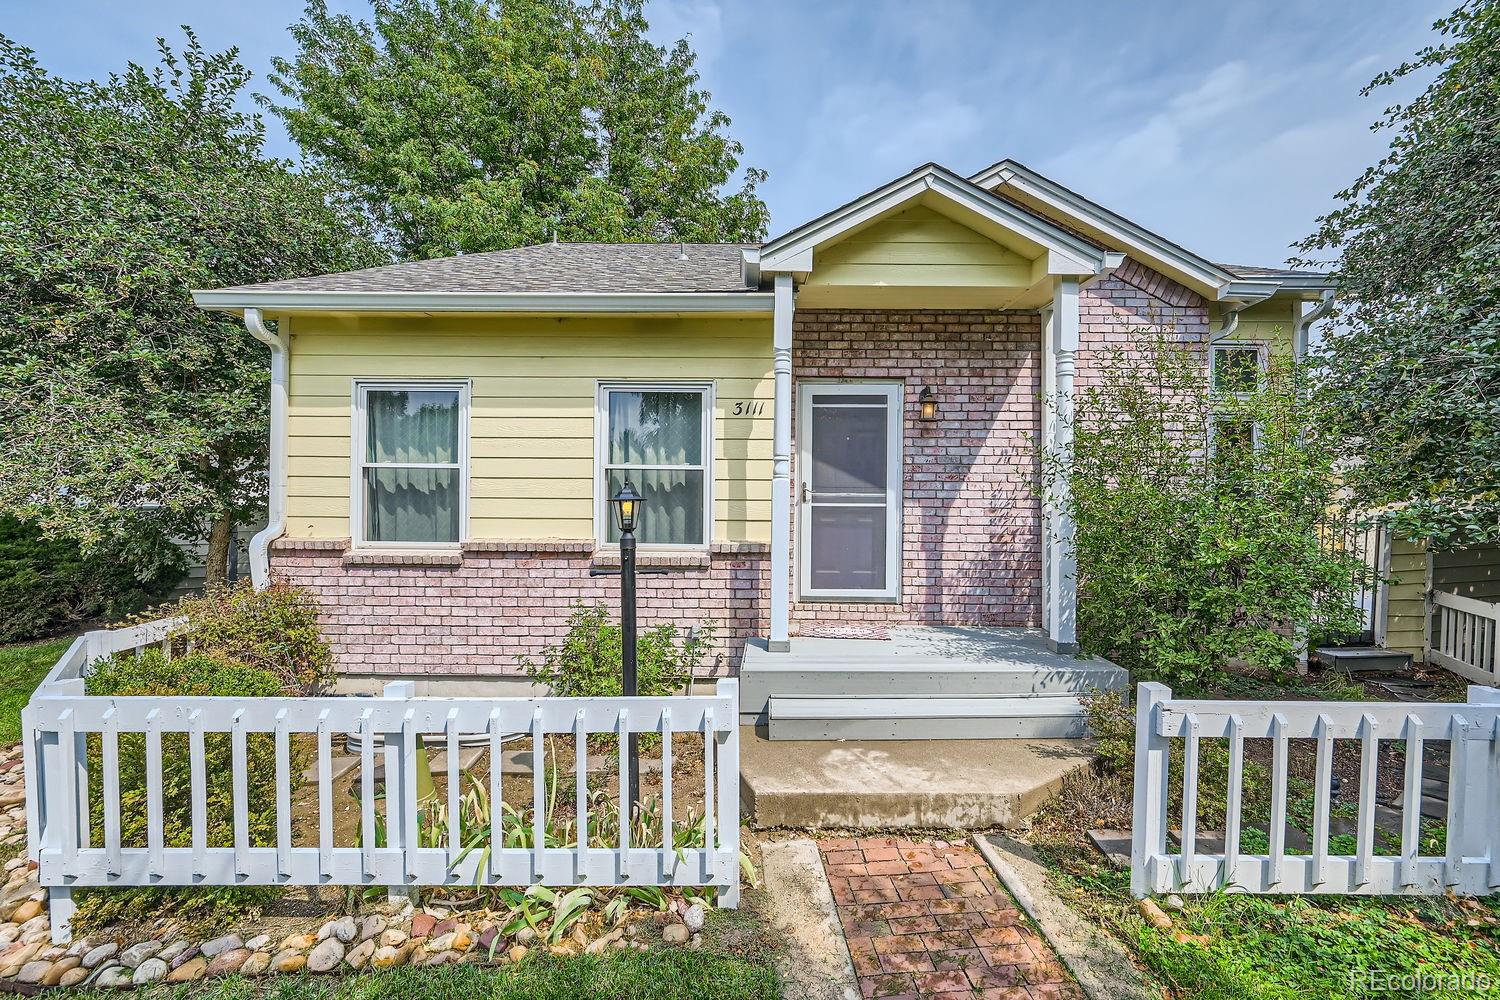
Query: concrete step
(916, 718)
(1362, 659)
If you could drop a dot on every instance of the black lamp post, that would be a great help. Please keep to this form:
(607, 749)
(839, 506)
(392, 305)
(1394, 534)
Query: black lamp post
(627, 512)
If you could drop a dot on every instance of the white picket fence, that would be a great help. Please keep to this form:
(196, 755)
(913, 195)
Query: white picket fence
(1470, 866)
(60, 719)
(1466, 637)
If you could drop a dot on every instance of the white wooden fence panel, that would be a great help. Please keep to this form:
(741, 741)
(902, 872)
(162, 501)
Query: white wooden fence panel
(60, 718)
(1469, 866)
(1466, 637)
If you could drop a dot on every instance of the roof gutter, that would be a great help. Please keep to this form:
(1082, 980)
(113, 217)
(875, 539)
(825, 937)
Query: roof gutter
(233, 300)
(1304, 325)
(260, 545)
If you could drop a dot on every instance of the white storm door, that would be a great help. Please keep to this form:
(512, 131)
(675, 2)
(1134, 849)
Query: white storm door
(849, 490)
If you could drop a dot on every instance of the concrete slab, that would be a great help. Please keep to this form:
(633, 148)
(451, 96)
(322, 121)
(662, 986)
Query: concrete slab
(814, 964)
(894, 784)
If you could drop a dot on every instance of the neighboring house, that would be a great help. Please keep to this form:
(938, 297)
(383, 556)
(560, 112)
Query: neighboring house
(836, 430)
(1430, 592)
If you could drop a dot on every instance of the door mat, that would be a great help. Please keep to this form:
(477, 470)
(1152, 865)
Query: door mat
(852, 630)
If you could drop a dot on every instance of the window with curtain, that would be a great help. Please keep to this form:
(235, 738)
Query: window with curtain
(657, 438)
(411, 465)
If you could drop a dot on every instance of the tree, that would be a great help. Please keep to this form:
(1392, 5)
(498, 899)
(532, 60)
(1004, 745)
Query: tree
(1411, 371)
(472, 125)
(1201, 520)
(123, 402)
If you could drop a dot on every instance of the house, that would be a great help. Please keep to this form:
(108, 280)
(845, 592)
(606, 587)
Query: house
(835, 431)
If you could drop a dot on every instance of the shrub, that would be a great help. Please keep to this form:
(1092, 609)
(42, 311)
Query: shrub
(586, 664)
(275, 630)
(198, 674)
(49, 585)
(1191, 557)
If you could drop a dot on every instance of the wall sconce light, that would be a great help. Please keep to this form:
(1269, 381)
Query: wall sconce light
(928, 404)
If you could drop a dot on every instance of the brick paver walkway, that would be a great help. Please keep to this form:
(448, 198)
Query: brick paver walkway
(929, 919)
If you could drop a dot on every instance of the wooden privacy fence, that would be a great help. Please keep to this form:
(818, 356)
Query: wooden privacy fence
(1466, 637)
(1470, 864)
(65, 730)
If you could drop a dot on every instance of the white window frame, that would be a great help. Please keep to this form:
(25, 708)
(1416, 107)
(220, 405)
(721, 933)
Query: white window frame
(895, 393)
(708, 389)
(359, 436)
(1215, 394)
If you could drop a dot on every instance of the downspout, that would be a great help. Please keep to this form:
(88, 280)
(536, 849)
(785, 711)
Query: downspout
(1304, 326)
(260, 545)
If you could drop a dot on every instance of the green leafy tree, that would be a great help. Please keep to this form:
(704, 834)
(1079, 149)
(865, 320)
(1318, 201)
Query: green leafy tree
(471, 125)
(1202, 519)
(122, 400)
(1412, 367)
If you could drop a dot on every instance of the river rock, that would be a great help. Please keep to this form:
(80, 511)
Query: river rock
(360, 954)
(184, 956)
(526, 935)
(94, 956)
(219, 945)
(372, 926)
(694, 916)
(256, 964)
(298, 942)
(448, 957)
(675, 934)
(28, 910)
(259, 943)
(73, 977)
(149, 971)
(172, 952)
(114, 976)
(517, 952)
(422, 925)
(392, 937)
(344, 928)
(386, 956)
(32, 972)
(188, 971)
(326, 956)
(229, 961)
(133, 956)
(61, 968)
(288, 960)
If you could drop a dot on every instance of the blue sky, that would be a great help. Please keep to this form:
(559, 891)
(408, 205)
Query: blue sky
(1225, 126)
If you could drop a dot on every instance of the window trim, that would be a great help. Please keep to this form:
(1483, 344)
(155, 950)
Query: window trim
(1240, 345)
(359, 439)
(895, 493)
(708, 389)
(1262, 365)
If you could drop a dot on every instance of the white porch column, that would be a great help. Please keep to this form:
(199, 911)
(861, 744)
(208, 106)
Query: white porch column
(1062, 562)
(781, 470)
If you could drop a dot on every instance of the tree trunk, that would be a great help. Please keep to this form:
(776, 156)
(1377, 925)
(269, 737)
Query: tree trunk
(216, 564)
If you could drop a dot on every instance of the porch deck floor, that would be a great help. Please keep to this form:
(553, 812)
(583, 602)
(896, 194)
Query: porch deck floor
(933, 645)
(893, 784)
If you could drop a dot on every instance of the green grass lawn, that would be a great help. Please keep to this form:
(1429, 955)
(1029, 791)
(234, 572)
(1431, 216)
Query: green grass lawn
(665, 974)
(21, 670)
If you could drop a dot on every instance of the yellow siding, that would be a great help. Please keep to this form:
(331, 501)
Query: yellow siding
(919, 247)
(1406, 623)
(531, 428)
(1270, 322)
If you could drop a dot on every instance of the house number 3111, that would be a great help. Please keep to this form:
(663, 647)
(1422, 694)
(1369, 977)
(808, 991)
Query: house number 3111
(751, 409)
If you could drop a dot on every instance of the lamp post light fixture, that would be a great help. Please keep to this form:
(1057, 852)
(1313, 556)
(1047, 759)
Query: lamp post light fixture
(927, 403)
(627, 503)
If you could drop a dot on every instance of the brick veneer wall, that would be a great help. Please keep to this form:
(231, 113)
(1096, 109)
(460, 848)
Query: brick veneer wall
(971, 534)
(971, 540)
(483, 612)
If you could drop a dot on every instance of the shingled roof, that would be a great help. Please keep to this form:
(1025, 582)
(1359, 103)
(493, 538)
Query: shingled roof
(547, 267)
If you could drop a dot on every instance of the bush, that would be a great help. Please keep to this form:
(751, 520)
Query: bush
(586, 664)
(51, 585)
(275, 630)
(1193, 558)
(202, 675)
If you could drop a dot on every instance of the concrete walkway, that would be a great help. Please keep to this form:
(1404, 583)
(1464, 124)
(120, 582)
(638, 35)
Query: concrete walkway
(901, 784)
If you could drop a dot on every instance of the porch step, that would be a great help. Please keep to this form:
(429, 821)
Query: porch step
(917, 718)
(1362, 659)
